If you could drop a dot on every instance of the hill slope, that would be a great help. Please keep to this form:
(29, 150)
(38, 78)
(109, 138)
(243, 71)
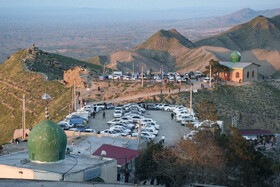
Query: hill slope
(261, 32)
(255, 105)
(238, 17)
(167, 48)
(53, 65)
(16, 80)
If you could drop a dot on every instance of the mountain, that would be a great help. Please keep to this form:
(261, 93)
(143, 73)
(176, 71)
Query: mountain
(261, 32)
(176, 53)
(166, 47)
(98, 60)
(238, 17)
(18, 78)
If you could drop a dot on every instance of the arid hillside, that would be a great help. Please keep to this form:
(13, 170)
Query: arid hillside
(256, 105)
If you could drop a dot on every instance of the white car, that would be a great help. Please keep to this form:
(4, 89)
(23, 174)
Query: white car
(147, 120)
(117, 114)
(126, 119)
(183, 112)
(207, 79)
(147, 135)
(183, 116)
(111, 132)
(122, 128)
(66, 123)
(153, 124)
(136, 118)
(90, 130)
(127, 125)
(169, 108)
(151, 130)
(113, 121)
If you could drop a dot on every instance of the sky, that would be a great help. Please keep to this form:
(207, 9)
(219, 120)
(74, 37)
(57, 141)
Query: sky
(144, 4)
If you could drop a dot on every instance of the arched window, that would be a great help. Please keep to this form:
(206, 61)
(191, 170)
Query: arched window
(237, 75)
(248, 74)
(253, 73)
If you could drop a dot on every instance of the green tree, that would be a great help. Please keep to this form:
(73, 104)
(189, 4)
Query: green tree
(206, 111)
(146, 166)
(216, 67)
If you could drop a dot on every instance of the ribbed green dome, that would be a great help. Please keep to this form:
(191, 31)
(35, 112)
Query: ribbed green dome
(235, 57)
(47, 142)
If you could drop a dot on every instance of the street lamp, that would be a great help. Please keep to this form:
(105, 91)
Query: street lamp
(46, 97)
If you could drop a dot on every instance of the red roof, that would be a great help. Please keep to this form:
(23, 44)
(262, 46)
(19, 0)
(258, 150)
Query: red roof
(255, 132)
(122, 155)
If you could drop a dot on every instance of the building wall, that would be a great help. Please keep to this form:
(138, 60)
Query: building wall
(250, 69)
(11, 172)
(233, 75)
(109, 172)
(44, 175)
(78, 177)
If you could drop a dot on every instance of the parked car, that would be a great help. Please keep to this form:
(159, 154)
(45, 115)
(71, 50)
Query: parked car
(90, 130)
(64, 126)
(117, 114)
(111, 132)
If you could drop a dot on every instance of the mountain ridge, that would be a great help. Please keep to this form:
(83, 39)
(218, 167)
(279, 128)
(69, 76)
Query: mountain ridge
(243, 37)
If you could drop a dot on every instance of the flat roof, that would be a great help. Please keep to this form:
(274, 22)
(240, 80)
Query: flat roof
(78, 162)
(92, 143)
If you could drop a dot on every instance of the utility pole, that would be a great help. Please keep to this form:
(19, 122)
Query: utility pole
(191, 99)
(75, 99)
(133, 68)
(139, 133)
(23, 116)
(210, 84)
(161, 69)
(104, 69)
(142, 77)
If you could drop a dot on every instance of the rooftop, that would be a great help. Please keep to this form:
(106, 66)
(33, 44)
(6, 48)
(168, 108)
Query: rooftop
(254, 132)
(92, 143)
(78, 162)
(122, 155)
(239, 65)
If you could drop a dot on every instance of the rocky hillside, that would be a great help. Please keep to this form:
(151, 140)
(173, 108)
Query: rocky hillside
(53, 65)
(18, 78)
(259, 33)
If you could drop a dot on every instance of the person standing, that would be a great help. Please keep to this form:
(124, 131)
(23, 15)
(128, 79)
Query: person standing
(172, 115)
(162, 138)
(104, 115)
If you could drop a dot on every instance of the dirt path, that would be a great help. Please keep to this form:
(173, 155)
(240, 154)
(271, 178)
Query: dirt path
(196, 86)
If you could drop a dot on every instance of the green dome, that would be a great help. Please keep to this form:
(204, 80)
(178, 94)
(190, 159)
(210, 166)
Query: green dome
(235, 57)
(47, 142)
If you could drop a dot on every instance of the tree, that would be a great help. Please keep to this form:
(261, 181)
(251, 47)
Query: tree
(146, 167)
(216, 67)
(206, 111)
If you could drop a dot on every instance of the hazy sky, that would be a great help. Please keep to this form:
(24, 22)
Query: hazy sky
(144, 4)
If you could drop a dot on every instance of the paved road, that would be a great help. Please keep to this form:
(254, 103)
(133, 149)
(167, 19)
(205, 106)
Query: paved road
(169, 128)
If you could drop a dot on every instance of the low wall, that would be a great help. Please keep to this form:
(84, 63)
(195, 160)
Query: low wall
(77, 134)
(18, 133)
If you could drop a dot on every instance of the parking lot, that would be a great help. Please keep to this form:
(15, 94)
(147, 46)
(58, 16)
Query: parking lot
(169, 128)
